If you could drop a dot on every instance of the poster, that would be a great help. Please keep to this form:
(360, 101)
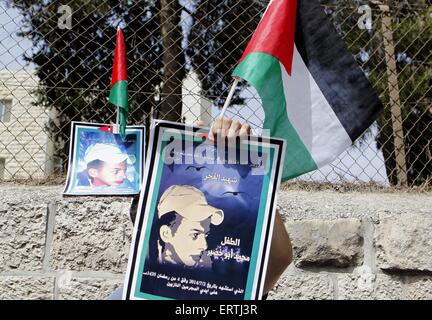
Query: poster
(205, 217)
(103, 163)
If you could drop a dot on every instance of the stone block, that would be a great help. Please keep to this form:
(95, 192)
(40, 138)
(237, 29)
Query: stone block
(419, 288)
(92, 235)
(364, 285)
(336, 243)
(303, 286)
(404, 242)
(87, 288)
(26, 288)
(22, 235)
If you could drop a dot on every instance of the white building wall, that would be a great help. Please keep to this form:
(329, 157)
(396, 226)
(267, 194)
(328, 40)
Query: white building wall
(195, 107)
(23, 139)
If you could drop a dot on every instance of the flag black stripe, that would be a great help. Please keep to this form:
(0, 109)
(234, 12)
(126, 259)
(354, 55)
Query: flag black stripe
(335, 70)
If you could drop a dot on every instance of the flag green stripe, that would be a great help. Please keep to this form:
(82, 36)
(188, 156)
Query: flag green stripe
(263, 71)
(119, 95)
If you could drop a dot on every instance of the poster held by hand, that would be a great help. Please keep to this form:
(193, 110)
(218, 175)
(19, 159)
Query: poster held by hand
(205, 217)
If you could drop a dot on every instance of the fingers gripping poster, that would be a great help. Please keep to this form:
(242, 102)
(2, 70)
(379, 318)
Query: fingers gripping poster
(205, 217)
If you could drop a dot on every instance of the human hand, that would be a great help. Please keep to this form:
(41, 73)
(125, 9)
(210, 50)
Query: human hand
(227, 128)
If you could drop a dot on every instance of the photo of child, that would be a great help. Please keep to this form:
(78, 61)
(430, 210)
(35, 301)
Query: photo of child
(106, 165)
(103, 163)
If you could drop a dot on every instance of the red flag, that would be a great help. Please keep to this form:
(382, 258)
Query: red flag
(106, 129)
(119, 86)
(119, 71)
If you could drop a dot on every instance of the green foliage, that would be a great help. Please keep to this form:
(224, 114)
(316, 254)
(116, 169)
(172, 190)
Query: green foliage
(74, 66)
(219, 35)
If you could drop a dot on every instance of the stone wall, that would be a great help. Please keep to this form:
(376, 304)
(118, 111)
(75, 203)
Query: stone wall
(350, 245)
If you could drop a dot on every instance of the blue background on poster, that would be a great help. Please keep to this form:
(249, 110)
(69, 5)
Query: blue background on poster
(240, 202)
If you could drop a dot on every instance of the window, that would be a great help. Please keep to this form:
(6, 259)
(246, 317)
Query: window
(5, 109)
(2, 167)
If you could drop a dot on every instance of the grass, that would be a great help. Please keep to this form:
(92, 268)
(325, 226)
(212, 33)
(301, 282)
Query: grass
(59, 180)
(353, 187)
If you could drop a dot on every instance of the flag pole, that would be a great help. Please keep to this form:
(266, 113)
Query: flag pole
(227, 101)
(116, 128)
(229, 98)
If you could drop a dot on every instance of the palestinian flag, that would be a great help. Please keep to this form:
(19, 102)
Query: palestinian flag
(107, 129)
(119, 87)
(314, 94)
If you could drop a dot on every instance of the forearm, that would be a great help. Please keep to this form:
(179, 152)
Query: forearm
(280, 254)
(280, 250)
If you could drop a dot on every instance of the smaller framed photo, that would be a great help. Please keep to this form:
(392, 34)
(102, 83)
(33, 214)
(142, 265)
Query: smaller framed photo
(103, 163)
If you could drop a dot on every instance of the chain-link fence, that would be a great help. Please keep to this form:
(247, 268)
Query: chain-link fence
(56, 59)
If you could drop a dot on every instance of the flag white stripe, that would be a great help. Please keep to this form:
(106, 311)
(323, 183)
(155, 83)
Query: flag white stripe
(311, 115)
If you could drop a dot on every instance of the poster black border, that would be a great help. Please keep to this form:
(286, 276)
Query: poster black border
(151, 154)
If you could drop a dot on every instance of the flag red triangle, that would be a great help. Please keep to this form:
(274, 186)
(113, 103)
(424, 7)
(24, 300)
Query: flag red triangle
(119, 72)
(106, 129)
